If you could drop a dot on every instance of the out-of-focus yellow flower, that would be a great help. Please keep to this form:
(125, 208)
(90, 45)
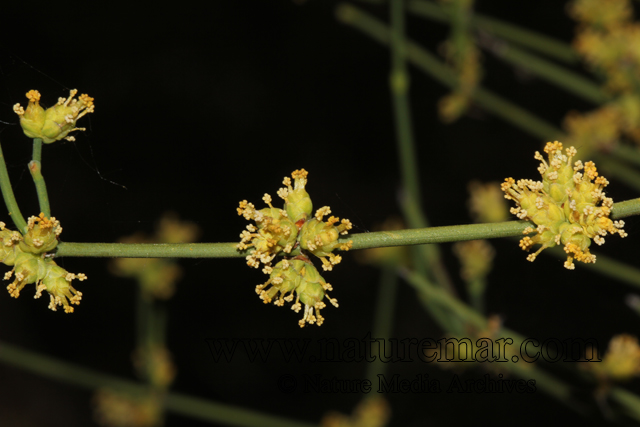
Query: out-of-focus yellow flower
(462, 54)
(620, 363)
(371, 412)
(476, 258)
(487, 203)
(600, 13)
(392, 256)
(154, 364)
(157, 276)
(114, 409)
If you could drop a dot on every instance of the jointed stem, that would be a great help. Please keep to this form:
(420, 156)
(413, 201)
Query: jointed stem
(178, 403)
(420, 236)
(9, 198)
(35, 167)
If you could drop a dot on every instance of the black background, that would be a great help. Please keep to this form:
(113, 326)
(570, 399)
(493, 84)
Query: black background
(198, 107)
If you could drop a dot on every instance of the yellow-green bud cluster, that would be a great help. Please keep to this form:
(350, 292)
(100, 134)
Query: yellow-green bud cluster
(297, 276)
(55, 123)
(27, 255)
(568, 206)
(281, 231)
(321, 238)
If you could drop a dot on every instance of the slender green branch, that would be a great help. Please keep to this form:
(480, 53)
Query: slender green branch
(9, 198)
(149, 250)
(615, 169)
(533, 40)
(383, 317)
(179, 403)
(411, 197)
(420, 236)
(35, 167)
(627, 153)
(37, 150)
(560, 76)
(548, 383)
(432, 66)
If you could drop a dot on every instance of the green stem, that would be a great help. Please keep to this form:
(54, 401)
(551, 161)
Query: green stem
(452, 233)
(432, 66)
(561, 77)
(533, 40)
(383, 318)
(627, 153)
(9, 198)
(179, 403)
(399, 85)
(615, 169)
(35, 167)
(544, 381)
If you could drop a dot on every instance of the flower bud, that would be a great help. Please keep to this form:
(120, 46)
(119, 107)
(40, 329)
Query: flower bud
(311, 292)
(297, 201)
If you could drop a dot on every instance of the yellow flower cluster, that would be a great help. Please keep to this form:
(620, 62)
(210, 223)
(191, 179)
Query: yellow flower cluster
(607, 39)
(463, 56)
(620, 363)
(55, 123)
(568, 206)
(157, 276)
(292, 232)
(27, 255)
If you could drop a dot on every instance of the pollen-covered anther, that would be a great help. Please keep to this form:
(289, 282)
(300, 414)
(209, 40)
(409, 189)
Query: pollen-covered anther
(18, 109)
(320, 213)
(332, 220)
(346, 246)
(526, 243)
(345, 226)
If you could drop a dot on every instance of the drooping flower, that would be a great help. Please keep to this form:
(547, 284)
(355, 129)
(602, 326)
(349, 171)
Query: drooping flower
(297, 276)
(568, 206)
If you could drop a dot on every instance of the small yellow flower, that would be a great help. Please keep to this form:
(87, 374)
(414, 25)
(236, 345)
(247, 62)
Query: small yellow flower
(26, 255)
(297, 276)
(487, 202)
(42, 234)
(321, 238)
(568, 206)
(622, 360)
(291, 233)
(297, 201)
(476, 258)
(56, 122)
